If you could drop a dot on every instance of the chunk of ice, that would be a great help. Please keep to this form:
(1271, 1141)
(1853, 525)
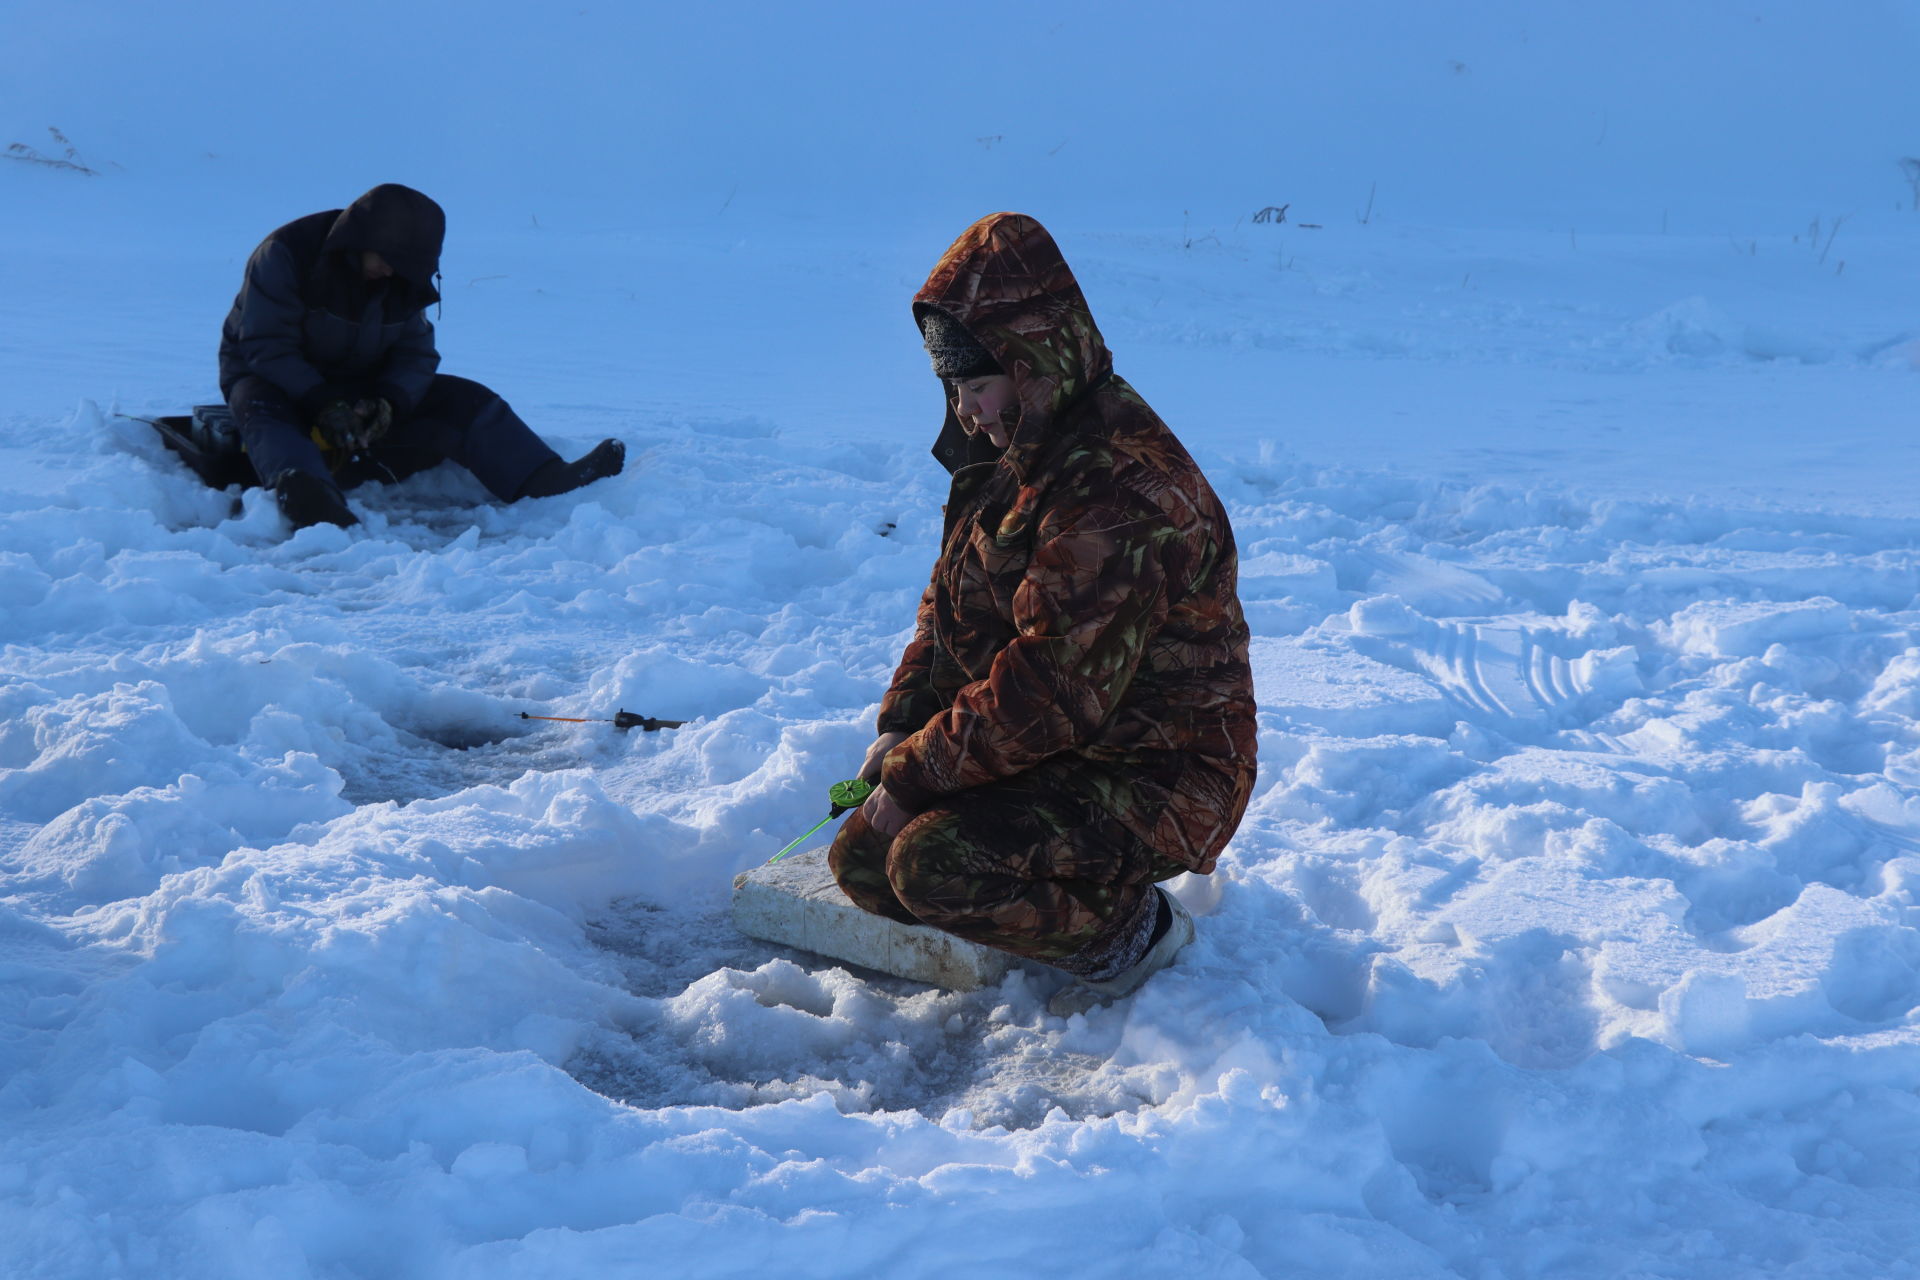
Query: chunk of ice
(795, 902)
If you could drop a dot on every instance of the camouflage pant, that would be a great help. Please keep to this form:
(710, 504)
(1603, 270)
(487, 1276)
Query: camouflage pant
(1036, 865)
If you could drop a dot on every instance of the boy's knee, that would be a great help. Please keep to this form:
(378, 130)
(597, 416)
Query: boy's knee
(928, 861)
(858, 860)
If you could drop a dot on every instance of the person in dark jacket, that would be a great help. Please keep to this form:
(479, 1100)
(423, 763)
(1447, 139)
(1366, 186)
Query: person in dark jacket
(328, 363)
(1074, 718)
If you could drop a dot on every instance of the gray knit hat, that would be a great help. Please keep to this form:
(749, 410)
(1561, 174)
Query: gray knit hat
(954, 352)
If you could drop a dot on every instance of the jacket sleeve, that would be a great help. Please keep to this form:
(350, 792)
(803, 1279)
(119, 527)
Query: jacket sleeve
(911, 699)
(271, 332)
(1093, 597)
(410, 363)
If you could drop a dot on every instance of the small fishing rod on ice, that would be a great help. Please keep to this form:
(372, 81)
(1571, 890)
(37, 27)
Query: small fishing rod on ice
(622, 720)
(850, 794)
(841, 796)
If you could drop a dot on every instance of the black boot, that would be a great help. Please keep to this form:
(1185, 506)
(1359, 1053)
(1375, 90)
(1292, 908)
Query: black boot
(307, 499)
(554, 476)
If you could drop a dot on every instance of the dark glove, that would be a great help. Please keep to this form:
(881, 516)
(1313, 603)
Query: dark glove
(376, 415)
(338, 425)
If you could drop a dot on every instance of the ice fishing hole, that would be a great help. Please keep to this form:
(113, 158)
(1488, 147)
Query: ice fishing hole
(722, 1013)
(465, 737)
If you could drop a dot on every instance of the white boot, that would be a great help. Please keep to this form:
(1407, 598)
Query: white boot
(1080, 996)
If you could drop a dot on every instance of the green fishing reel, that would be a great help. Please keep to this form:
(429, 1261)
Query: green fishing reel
(850, 794)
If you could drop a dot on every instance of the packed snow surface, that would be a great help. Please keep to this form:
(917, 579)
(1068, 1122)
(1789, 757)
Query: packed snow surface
(1574, 929)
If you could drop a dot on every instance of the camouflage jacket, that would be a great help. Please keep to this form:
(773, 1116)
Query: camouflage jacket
(1084, 599)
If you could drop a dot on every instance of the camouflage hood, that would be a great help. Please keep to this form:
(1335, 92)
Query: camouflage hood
(1006, 282)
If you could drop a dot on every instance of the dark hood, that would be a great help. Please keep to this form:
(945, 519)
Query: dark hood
(400, 224)
(1005, 281)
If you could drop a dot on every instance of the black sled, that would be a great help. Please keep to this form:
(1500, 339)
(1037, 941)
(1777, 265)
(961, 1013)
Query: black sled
(208, 443)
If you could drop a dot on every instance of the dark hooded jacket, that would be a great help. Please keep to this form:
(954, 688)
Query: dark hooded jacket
(1085, 597)
(307, 320)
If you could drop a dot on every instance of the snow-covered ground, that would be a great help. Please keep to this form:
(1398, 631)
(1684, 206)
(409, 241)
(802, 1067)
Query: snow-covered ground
(1574, 929)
